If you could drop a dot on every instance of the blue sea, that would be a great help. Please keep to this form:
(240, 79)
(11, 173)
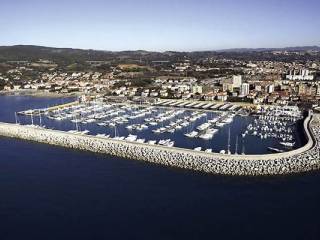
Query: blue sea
(56, 193)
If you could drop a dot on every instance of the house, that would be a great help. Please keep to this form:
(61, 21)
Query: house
(272, 99)
(154, 94)
(210, 96)
(144, 94)
(196, 89)
(7, 88)
(258, 100)
(164, 93)
(186, 96)
(222, 96)
(227, 86)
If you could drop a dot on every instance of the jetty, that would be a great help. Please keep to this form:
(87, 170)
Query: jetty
(303, 159)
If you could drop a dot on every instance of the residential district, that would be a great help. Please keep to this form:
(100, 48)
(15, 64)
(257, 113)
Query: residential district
(281, 77)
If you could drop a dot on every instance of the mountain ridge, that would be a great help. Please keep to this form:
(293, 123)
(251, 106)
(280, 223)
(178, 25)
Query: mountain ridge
(39, 47)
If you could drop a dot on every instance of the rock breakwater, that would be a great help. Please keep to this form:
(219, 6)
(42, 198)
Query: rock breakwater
(299, 160)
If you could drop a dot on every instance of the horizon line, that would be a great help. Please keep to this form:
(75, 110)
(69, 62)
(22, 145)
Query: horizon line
(163, 51)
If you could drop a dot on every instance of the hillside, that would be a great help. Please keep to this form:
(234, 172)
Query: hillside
(66, 56)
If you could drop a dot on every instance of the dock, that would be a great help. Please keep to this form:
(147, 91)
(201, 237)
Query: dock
(200, 105)
(49, 109)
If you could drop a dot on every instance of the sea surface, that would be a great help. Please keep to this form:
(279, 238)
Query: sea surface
(49, 192)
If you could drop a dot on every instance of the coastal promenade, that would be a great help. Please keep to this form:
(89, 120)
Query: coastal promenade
(303, 159)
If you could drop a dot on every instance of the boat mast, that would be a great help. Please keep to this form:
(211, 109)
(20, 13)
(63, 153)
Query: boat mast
(243, 147)
(16, 118)
(77, 124)
(40, 118)
(115, 131)
(236, 152)
(229, 142)
(32, 118)
(190, 127)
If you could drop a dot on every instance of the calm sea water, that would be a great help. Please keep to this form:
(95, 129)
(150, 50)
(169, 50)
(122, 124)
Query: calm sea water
(55, 193)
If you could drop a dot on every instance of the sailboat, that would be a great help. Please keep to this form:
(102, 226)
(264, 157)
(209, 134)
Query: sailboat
(236, 151)
(16, 117)
(243, 153)
(77, 129)
(40, 119)
(190, 133)
(115, 135)
(228, 151)
(31, 114)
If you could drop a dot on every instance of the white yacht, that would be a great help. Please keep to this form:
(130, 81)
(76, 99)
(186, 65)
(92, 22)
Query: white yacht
(203, 126)
(131, 138)
(206, 136)
(223, 151)
(156, 130)
(287, 144)
(191, 134)
(140, 140)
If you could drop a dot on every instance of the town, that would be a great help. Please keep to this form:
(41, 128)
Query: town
(281, 76)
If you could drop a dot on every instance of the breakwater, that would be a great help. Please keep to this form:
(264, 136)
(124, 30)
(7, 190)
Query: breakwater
(299, 160)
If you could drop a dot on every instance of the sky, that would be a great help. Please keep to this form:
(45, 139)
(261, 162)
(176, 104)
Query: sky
(160, 25)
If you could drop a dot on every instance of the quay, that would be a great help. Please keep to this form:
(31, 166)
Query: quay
(51, 109)
(61, 106)
(303, 159)
(205, 106)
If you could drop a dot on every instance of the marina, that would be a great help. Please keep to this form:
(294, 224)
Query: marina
(129, 134)
(226, 132)
(305, 158)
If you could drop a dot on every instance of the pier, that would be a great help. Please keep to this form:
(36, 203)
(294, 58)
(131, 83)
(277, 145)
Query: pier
(49, 109)
(303, 159)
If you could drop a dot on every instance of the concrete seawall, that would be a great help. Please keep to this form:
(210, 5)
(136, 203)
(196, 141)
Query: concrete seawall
(299, 160)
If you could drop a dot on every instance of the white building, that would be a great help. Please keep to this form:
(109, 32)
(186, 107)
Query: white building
(237, 81)
(270, 88)
(196, 89)
(302, 74)
(244, 89)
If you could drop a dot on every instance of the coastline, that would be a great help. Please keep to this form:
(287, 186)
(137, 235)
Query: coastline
(41, 93)
(38, 93)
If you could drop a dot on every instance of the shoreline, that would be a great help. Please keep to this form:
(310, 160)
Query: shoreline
(41, 93)
(38, 94)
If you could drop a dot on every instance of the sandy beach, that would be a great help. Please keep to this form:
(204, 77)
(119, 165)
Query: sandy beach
(39, 93)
